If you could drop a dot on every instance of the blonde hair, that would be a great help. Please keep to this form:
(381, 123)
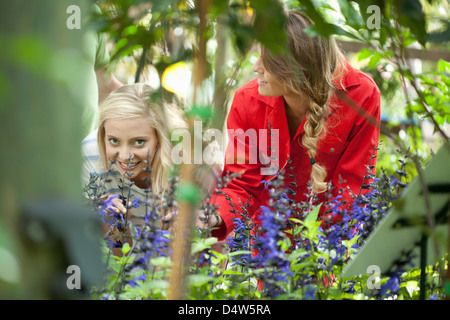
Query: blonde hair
(132, 101)
(311, 68)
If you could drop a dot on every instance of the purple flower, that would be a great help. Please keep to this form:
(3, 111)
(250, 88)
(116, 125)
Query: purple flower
(392, 286)
(241, 241)
(272, 256)
(114, 244)
(135, 203)
(310, 292)
(106, 204)
(132, 282)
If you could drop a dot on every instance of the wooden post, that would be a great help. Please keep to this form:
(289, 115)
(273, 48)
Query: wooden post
(186, 215)
(447, 276)
(183, 227)
(42, 87)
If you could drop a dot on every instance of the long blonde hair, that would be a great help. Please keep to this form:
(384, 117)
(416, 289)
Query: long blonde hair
(311, 67)
(132, 101)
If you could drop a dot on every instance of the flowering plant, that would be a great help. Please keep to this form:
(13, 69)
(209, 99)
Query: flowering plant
(290, 256)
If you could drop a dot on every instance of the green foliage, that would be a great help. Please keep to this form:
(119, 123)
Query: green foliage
(211, 281)
(188, 193)
(146, 28)
(414, 97)
(306, 262)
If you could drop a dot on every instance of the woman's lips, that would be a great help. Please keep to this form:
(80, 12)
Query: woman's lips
(128, 166)
(261, 82)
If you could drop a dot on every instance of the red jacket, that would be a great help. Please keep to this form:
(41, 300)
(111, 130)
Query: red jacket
(345, 150)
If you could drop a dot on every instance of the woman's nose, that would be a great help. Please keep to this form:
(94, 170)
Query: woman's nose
(125, 155)
(258, 66)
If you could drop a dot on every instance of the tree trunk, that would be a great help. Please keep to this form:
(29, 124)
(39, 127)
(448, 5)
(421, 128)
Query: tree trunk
(42, 92)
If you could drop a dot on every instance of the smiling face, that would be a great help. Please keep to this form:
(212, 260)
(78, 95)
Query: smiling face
(268, 84)
(129, 142)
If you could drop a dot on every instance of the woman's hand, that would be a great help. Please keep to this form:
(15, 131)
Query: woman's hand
(169, 219)
(201, 221)
(115, 204)
(204, 221)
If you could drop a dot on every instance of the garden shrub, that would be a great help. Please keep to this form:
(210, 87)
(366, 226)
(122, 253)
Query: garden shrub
(290, 256)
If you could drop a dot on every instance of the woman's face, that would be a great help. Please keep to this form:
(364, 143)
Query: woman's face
(129, 142)
(268, 84)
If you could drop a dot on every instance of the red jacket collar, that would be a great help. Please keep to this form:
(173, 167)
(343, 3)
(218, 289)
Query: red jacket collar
(351, 77)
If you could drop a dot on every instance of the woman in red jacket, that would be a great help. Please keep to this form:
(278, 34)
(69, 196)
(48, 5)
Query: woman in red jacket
(305, 102)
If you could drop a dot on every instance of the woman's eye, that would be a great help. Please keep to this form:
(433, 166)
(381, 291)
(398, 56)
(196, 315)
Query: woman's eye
(140, 143)
(113, 141)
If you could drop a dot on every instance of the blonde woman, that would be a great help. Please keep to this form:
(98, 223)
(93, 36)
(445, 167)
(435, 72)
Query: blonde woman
(325, 140)
(130, 151)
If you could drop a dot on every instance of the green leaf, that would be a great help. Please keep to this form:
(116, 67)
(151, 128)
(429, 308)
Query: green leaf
(312, 216)
(203, 112)
(364, 54)
(297, 254)
(440, 119)
(411, 287)
(161, 261)
(285, 243)
(198, 280)
(320, 25)
(374, 60)
(233, 272)
(349, 243)
(202, 244)
(427, 80)
(238, 253)
(352, 16)
(126, 248)
(130, 30)
(304, 265)
(440, 36)
(295, 220)
(268, 25)
(157, 284)
(339, 31)
(443, 66)
(188, 193)
(416, 107)
(430, 99)
(411, 15)
(312, 230)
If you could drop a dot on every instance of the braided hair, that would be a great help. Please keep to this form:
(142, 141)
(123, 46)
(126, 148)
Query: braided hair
(310, 67)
